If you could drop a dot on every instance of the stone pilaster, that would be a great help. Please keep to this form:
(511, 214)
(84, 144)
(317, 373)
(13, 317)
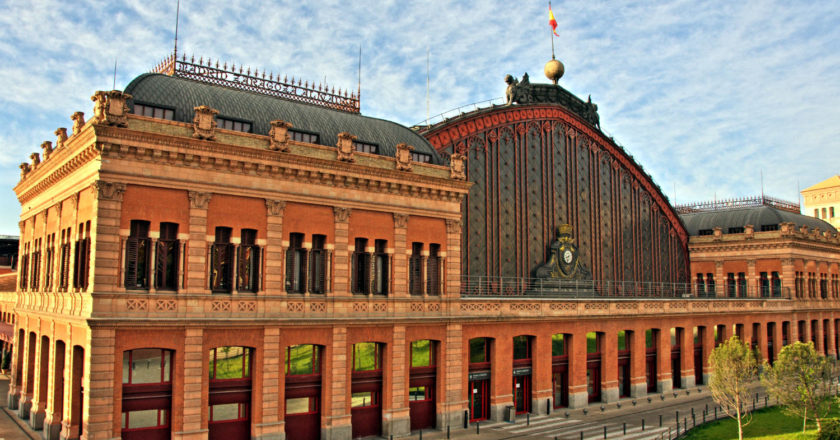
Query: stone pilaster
(664, 381)
(638, 378)
(338, 422)
(576, 347)
(194, 377)
(396, 418)
(752, 280)
(541, 391)
(341, 270)
(39, 396)
(57, 393)
(197, 246)
(400, 257)
(831, 350)
(453, 404)
(453, 258)
(687, 358)
(761, 337)
(720, 279)
(27, 384)
(609, 361)
(788, 278)
(105, 236)
(99, 385)
(708, 345)
(271, 426)
(275, 254)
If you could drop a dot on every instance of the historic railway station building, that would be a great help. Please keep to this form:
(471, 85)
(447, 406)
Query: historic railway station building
(217, 254)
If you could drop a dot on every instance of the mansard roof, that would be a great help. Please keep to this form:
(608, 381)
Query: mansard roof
(757, 216)
(183, 95)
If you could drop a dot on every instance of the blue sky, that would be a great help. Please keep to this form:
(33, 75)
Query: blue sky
(705, 95)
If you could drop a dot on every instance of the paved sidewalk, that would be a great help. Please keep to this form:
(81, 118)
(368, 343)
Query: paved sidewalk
(10, 427)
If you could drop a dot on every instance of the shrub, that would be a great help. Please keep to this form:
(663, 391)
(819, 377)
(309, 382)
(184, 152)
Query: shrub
(830, 430)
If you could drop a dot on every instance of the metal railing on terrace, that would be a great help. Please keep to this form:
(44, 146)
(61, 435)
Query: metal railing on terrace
(489, 286)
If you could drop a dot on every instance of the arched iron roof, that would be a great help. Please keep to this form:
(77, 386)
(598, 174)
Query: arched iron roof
(757, 216)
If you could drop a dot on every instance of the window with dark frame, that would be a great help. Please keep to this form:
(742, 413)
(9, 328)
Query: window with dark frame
(776, 284)
(764, 284)
(146, 389)
(705, 232)
(710, 284)
(361, 267)
(82, 257)
(64, 269)
(479, 350)
(433, 270)
(248, 270)
(137, 255)
(365, 147)
(301, 136)
(318, 264)
(23, 280)
(415, 269)
(35, 271)
(154, 112)
(765, 228)
(421, 157)
(49, 261)
(167, 259)
(222, 261)
(381, 269)
(521, 347)
(735, 230)
(296, 257)
(742, 285)
(231, 124)
(730, 285)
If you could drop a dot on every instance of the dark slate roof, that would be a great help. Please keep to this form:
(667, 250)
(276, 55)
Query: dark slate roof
(183, 95)
(753, 215)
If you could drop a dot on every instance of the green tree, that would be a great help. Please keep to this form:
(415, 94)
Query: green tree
(801, 380)
(734, 368)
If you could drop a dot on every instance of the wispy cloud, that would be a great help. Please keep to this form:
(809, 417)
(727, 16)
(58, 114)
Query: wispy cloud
(705, 95)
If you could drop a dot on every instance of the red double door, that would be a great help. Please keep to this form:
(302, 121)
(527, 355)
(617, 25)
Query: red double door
(304, 421)
(366, 413)
(422, 399)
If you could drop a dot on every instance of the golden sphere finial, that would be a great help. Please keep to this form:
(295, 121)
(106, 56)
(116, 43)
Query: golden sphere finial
(554, 70)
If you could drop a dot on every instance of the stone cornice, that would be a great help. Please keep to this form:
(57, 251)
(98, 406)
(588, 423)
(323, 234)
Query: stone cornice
(785, 244)
(185, 152)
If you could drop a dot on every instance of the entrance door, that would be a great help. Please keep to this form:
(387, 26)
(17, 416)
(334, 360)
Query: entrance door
(676, 370)
(522, 393)
(698, 364)
(560, 384)
(303, 407)
(593, 379)
(650, 368)
(624, 375)
(230, 393)
(421, 398)
(479, 400)
(366, 412)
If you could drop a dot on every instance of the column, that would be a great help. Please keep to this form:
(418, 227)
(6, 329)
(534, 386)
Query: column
(761, 337)
(501, 376)
(27, 385)
(638, 381)
(337, 415)
(687, 357)
(452, 274)
(341, 270)
(578, 395)
(454, 402)
(609, 365)
(720, 279)
(752, 280)
(541, 392)
(397, 421)
(99, 384)
(39, 396)
(708, 346)
(777, 339)
(57, 392)
(275, 254)
(818, 337)
(399, 256)
(194, 376)
(197, 246)
(664, 382)
(831, 350)
(788, 278)
(271, 425)
(105, 236)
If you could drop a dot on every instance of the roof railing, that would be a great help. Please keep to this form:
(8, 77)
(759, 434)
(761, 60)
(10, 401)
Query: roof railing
(422, 125)
(724, 204)
(243, 78)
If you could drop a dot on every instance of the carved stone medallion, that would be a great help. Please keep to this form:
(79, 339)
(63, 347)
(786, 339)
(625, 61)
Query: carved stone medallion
(345, 148)
(110, 107)
(204, 122)
(403, 157)
(278, 136)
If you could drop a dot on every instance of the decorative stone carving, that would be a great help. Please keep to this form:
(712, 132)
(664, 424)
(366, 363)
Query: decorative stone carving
(563, 263)
(110, 107)
(458, 166)
(199, 200)
(204, 122)
(278, 136)
(275, 207)
(401, 221)
(36, 160)
(108, 190)
(403, 157)
(78, 122)
(342, 215)
(58, 207)
(74, 200)
(453, 226)
(345, 148)
(61, 137)
(24, 169)
(46, 146)
(749, 231)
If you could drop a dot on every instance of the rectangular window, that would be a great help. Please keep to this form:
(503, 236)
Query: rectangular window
(824, 213)
(296, 264)
(817, 212)
(415, 269)
(167, 258)
(381, 271)
(64, 269)
(146, 418)
(735, 230)
(230, 124)
(35, 271)
(302, 360)
(154, 112)
(650, 338)
(301, 405)
(421, 157)
(230, 363)
(422, 353)
(764, 284)
(710, 284)
(705, 232)
(364, 399)
(137, 255)
(361, 267)
(521, 348)
(248, 270)
(366, 356)
(82, 267)
(221, 261)
(364, 147)
(146, 365)
(765, 228)
(49, 261)
(433, 270)
(742, 285)
(224, 412)
(730, 285)
(776, 284)
(622, 341)
(419, 393)
(479, 350)
(300, 136)
(558, 345)
(318, 264)
(831, 212)
(593, 343)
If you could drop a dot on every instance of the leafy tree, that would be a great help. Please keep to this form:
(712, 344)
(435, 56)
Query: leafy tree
(734, 368)
(801, 380)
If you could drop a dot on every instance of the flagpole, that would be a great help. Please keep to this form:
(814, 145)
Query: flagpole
(552, 34)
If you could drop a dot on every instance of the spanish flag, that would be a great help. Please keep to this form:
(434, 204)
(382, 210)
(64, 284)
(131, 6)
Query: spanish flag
(551, 21)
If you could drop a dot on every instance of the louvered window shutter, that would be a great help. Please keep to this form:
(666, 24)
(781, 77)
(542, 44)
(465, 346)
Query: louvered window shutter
(131, 255)
(290, 269)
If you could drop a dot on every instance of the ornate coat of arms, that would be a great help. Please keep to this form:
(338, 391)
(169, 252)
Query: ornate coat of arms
(563, 262)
